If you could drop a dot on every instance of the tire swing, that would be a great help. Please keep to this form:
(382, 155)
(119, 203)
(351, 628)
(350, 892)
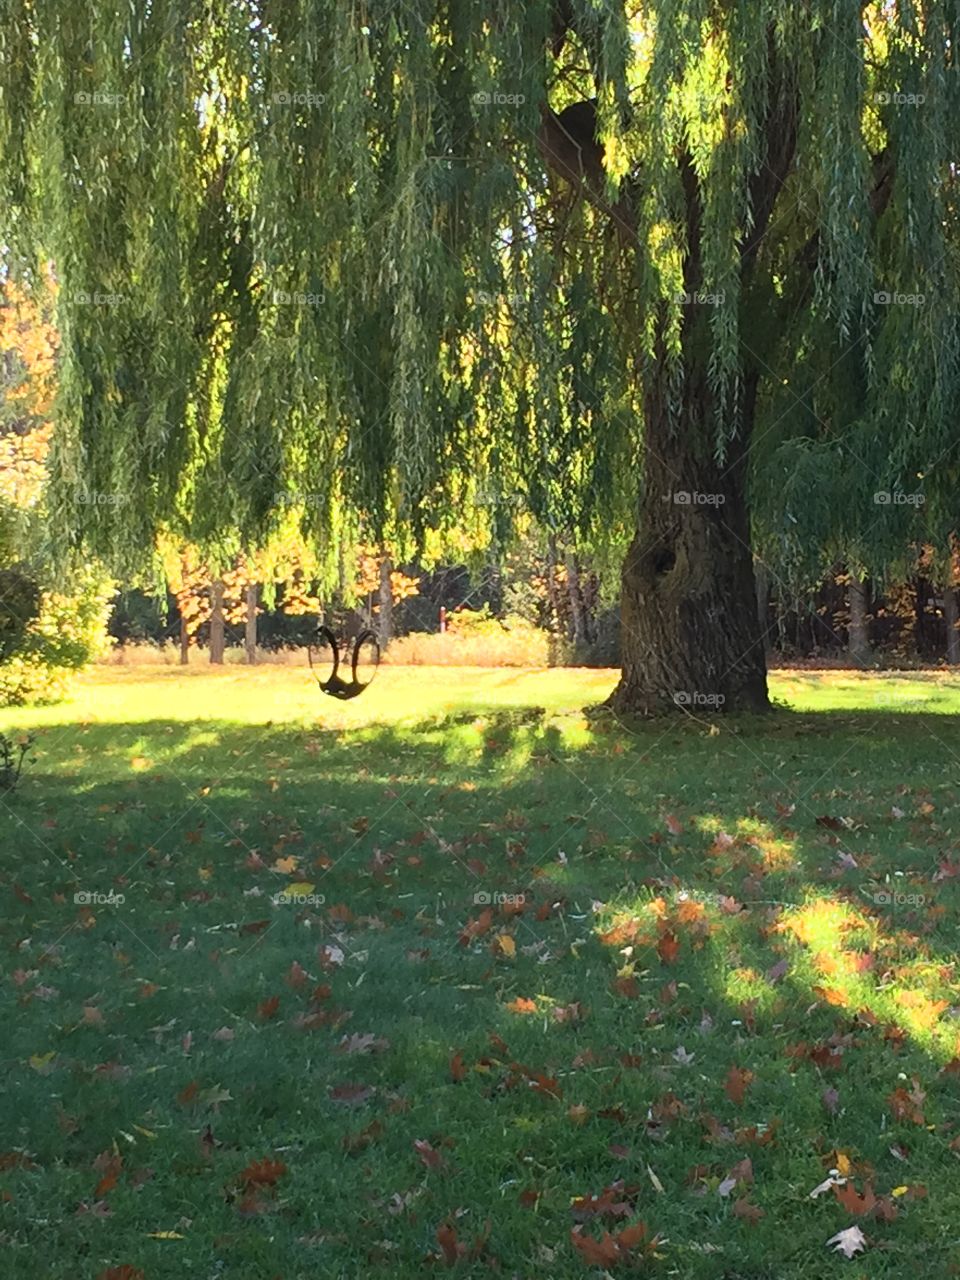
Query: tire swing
(323, 653)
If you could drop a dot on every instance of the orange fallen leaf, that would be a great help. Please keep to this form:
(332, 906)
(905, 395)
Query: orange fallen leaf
(522, 1005)
(668, 947)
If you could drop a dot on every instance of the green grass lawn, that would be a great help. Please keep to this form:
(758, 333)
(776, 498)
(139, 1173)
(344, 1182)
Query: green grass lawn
(458, 977)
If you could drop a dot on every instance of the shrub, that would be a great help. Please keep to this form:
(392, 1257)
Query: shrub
(19, 607)
(68, 631)
(12, 756)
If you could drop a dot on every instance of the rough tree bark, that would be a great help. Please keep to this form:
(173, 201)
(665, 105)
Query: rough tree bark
(250, 625)
(858, 638)
(218, 642)
(690, 635)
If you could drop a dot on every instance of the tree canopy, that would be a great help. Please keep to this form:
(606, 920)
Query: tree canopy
(365, 258)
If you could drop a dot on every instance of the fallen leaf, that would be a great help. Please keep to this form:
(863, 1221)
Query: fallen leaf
(736, 1084)
(365, 1043)
(848, 1242)
(262, 1173)
(751, 1213)
(429, 1156)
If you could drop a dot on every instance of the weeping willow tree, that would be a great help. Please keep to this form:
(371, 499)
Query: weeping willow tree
(385, 254)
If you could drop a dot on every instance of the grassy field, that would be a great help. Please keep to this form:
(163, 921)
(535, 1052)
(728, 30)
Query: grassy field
(458, 977)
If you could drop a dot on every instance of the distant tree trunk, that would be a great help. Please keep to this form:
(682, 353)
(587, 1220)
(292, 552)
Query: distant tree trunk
(951, 617)
(385, 628)
(858, 639)
(218, 642)
(762, 576)
(578, 613)
(553, 621)
(250, 631)
(184, 642)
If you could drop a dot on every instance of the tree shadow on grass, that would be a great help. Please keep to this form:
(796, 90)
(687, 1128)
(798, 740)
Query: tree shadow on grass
(469, 868)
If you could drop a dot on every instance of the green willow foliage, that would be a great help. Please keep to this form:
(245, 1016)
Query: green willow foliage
(310, 247)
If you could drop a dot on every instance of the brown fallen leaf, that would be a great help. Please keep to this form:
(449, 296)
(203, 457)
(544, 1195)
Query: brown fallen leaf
(429, 1156)
(351, 1095)
(751, 1213)
(736, 1084)
(262, 1173)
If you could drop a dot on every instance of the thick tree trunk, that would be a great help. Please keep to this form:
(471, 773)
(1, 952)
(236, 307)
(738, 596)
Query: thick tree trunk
(385, 599)
(690, 635)
(250, 627)
(578, 613)
(184, 643)
(218, 642)
(858, 639)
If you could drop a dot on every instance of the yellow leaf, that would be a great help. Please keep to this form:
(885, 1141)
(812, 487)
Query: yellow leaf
(300, 889)
(147, 1133)
(899, 1191)
(165, 1235)
(507, 945)
(39, 1060)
